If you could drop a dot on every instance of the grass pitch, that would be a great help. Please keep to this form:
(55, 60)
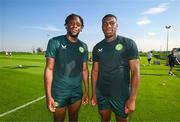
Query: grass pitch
(21, 81)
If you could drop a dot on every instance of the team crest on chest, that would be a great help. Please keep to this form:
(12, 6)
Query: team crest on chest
(81, 49)
(119, 47)
(56, 104)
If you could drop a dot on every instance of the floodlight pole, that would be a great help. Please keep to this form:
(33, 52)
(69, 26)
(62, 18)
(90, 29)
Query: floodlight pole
(167, 27)
(48, 36)
(2, 47)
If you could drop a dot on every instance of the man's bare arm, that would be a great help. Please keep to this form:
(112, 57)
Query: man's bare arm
(86, 82)
(48, 77)
(94, 76)
(135, 78)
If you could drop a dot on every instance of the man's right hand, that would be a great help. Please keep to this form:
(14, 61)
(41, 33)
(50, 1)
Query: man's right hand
(51, 104)
(93, 101)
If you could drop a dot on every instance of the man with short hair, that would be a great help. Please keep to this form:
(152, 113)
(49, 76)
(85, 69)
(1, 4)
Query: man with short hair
(149, 57)
(113, 59)
(172, 60)
(66, 67)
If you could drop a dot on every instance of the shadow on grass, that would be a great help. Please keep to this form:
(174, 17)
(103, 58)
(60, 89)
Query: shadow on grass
(147, 68)
(178, 76)
(160, 74)
(21, 67)
(153, 74)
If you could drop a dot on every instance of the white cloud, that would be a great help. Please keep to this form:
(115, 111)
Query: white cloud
(48, 28)
(151, 33)
(156, 10)
(143, 21)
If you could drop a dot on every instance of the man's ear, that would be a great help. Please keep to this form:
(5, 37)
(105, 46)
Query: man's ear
(81, 28)
(65, 27)
(117, 25)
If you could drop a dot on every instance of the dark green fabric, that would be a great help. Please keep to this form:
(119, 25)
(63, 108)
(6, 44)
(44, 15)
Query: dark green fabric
(68, 97)
(116, 105)
(114, 73)
(69, 58)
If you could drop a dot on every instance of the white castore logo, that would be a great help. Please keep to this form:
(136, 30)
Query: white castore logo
(100, 50)
(63, 46)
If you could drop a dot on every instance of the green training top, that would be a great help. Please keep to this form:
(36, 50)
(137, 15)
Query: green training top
(69, 58)
(114, 72)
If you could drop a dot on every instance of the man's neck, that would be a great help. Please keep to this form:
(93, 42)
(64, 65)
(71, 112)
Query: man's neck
(111, 38)
(71, 38)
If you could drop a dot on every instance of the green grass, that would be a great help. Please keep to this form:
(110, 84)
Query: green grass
(155, 101)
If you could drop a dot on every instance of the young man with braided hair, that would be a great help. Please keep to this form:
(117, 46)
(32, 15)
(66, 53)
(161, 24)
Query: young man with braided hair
(66, 68)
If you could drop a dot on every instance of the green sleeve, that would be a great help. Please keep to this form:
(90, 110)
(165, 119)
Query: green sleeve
(94, 55)
(85, 59)
(51, 49)
(132, 50)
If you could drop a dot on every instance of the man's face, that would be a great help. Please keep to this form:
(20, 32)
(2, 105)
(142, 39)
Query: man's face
(109, 27)
(74, 26)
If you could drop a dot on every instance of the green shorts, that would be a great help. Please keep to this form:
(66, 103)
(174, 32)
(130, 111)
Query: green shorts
(67, 97)
(115, 104)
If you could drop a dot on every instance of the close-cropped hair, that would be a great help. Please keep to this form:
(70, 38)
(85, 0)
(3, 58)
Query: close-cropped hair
(71, 17)
(108, 15)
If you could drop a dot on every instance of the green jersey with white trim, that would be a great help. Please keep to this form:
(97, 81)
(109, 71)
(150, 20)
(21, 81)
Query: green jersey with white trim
(114, 72)
(69, 58)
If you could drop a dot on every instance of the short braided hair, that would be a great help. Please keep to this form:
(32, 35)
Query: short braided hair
(71, 16)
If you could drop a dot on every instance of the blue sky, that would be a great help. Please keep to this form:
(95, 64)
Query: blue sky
(28, 24)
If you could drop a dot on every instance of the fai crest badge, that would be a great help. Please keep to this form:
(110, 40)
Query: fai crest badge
(119, 47)
(56, 104)
(81, 49)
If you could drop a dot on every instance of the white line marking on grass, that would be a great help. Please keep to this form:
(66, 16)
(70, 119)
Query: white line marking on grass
(22, 106)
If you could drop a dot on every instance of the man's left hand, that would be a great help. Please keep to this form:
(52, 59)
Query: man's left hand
(130, 106)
